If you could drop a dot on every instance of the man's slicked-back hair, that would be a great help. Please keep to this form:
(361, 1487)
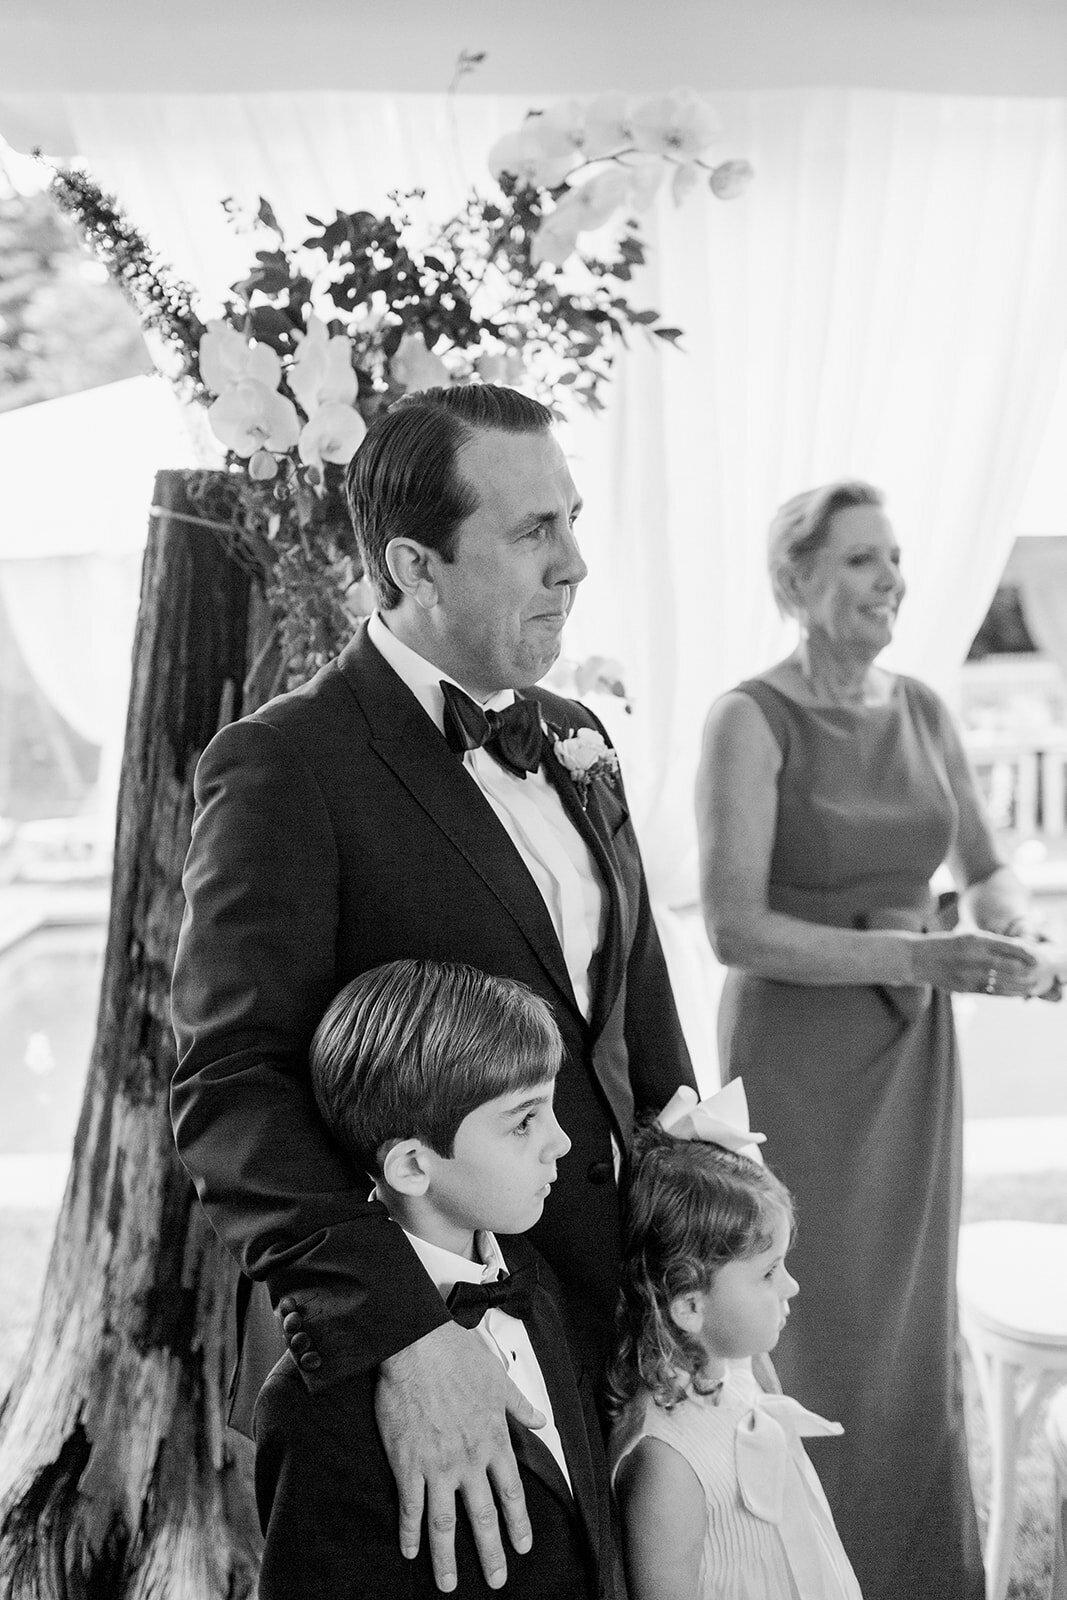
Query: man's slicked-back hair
(407, 1050)
(402, 482)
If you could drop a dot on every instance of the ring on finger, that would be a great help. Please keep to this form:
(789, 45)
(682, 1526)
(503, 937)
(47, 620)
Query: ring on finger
(991, 981)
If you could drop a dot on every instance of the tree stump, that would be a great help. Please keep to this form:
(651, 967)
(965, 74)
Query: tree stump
(116, 1476)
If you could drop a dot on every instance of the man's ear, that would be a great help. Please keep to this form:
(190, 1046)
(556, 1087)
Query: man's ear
(404, 1167)
(686, 1311)
(410, 566)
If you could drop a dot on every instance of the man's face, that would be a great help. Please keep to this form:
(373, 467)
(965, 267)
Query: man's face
(503, 599)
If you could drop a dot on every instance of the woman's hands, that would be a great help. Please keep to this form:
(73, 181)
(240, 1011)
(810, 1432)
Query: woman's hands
(975, 962)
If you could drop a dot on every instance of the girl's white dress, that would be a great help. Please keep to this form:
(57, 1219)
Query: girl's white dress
(770, 1534)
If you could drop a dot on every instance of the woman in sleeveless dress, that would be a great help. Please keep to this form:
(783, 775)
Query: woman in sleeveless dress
(830, 792)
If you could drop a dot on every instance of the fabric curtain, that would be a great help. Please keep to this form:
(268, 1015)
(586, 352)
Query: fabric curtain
(885, 301)
(1041, 567)
(73, 619)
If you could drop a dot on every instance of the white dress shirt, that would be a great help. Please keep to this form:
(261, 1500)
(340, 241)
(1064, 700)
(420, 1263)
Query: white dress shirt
(552, 849)
(505, 1335)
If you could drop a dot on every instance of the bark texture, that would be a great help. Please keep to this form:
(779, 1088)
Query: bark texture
(116, 1477)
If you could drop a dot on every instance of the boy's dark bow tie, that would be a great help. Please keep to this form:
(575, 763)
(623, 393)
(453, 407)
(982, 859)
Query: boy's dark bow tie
(512, 736)
(468, 1302)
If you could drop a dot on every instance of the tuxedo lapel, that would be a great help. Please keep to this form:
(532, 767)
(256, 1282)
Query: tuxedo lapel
(594, 827)
(549, 1340)
(405, 738)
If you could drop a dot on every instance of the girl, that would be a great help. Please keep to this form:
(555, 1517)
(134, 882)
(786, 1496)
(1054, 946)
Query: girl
(718, 1499)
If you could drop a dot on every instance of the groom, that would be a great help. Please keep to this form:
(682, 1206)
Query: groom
(411, 801)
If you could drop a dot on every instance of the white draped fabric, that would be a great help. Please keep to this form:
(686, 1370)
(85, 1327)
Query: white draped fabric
(1041, 568)
(885, 301)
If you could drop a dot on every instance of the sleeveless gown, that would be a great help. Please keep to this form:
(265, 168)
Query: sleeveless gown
(858, 1091)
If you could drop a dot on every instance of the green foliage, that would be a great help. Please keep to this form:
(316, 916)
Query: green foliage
(474, 292)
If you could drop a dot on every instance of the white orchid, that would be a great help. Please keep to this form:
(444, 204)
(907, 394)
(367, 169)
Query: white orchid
(415, 367)
(645, 175)
(607, 126)
(679, 124)
(321, 372)
(585, 207)
(534, 154)
(250, 416)
(557, 238)
(685, 179)
(333, 433)
(226, 357)
(598, 199)
(560, 130)
(731, 178)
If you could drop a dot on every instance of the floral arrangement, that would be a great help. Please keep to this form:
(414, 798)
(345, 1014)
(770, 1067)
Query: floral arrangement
(324, 332)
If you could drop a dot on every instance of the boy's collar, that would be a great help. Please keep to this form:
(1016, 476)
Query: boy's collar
(446, 1268)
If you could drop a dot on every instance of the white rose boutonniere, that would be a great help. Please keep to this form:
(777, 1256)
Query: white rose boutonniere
(585, 754)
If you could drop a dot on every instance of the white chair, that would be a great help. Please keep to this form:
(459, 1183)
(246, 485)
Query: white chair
(1056, 1433)
(1012, 1285)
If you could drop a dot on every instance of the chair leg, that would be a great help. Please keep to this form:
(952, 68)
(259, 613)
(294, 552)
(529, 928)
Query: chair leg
(1004, 1442)
(1056, 1432)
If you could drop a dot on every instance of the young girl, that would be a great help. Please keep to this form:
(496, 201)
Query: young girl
(718, 1499)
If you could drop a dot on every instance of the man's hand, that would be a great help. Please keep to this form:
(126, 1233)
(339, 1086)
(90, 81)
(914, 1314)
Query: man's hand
(441, 1406)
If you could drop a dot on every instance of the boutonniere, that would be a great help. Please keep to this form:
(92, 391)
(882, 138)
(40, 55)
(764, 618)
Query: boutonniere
(584, 754)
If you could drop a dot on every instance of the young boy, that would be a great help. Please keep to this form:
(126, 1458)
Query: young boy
(438, 1081)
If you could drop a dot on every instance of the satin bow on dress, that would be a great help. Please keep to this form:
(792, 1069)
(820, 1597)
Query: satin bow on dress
(778, 1485)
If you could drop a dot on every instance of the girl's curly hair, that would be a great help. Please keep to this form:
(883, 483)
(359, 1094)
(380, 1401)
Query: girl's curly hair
(691, 1207)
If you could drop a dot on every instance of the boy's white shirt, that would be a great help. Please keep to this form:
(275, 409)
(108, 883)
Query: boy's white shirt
(505, 1335)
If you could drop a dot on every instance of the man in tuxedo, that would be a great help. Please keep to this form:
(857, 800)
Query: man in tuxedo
(417, 799)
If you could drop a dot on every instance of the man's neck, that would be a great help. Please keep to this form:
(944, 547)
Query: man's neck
(411, 630)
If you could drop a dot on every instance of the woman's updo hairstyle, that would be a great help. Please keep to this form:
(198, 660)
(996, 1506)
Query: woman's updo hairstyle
(801, 527)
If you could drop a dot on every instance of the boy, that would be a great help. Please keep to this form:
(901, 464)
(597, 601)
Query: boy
(438, 1080)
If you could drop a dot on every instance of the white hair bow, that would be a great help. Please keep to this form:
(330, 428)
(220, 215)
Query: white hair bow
(721, 1119)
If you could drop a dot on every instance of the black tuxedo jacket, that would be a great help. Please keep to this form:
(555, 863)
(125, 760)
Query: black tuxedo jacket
(328, 1503)
(335, 830)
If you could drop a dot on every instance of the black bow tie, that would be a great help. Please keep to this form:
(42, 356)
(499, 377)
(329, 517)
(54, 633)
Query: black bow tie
(512, 737)
(468, 1302)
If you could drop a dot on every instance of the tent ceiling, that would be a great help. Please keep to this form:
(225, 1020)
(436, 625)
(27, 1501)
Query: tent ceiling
(1013, 47)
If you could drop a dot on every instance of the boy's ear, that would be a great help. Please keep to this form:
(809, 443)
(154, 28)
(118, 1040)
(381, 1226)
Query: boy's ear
(404, 1167)
(686, 1311)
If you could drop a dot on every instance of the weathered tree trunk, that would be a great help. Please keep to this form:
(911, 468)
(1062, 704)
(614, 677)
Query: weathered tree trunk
(116, 1478)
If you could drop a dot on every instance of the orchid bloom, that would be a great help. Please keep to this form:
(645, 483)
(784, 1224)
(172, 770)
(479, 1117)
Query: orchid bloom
(250, 416)
(685, 179)
(332, 434)
(557, 237)
(226, 357)
(646, 173)
(607, 126)
(600, 675)
(415, 367)
(321, 372)
(730, 179)
(595, 201)
(533, 155)
(581, 209)
(561, 129)
(680, 125)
